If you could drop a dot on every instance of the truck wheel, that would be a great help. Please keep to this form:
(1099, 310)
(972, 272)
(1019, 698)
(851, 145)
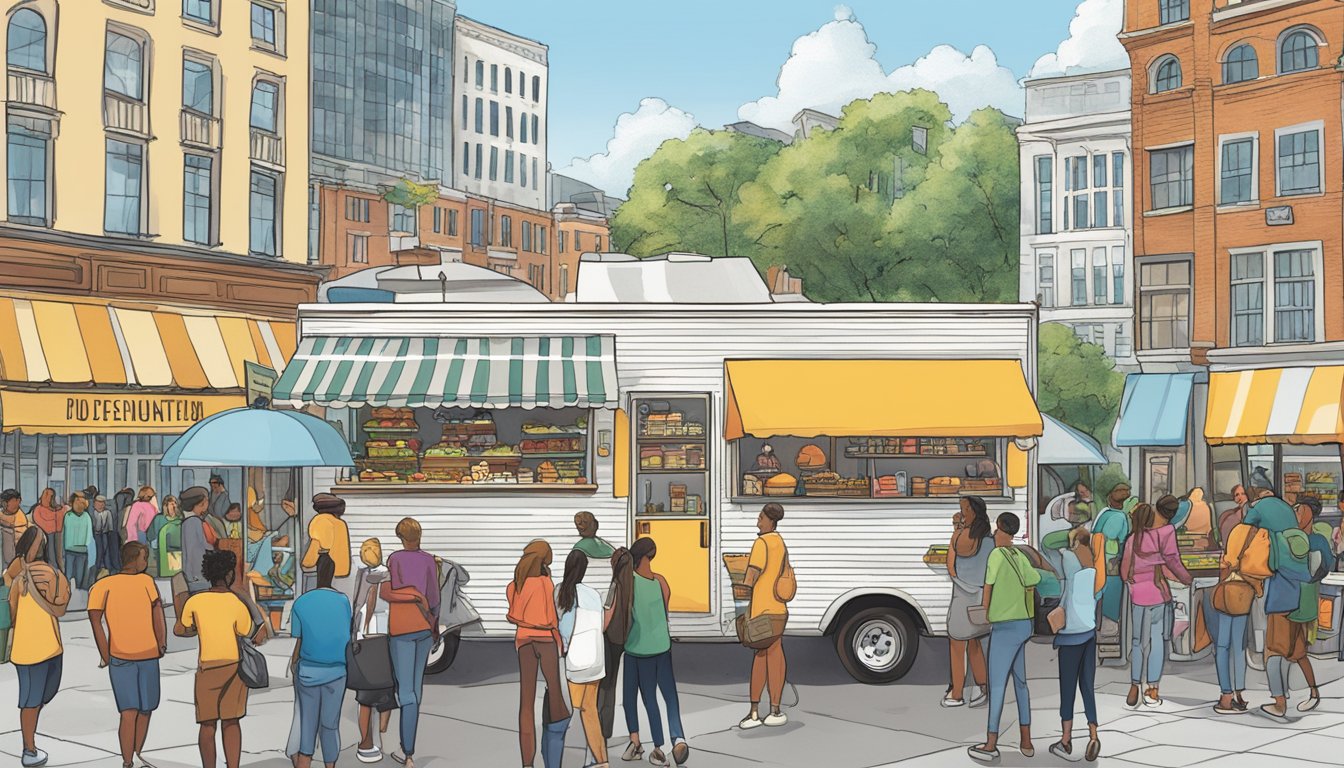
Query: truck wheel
(877, 645)
(442, 658)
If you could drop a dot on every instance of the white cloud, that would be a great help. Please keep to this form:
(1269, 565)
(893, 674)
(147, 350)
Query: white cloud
(636, 136)
(1092, 45)
(837, 63)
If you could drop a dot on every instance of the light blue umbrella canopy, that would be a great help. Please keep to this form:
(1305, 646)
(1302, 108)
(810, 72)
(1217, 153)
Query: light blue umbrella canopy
(1062, 444)
(259, 437)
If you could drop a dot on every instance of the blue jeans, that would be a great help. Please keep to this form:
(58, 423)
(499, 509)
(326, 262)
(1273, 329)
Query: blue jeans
(410, 653)
(77, 569)
(1008, 658)
(1078, 674)
(1151, 628)
(647, 675)
(135, 684)
(1229, 653)
(319, 711)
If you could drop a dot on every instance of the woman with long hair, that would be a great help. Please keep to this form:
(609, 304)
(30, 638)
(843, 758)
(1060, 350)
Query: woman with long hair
(1076, 642)
(1150, 552)
(38, 597)
(141, 517)
(967, 556)
(170, 517)
(616, 620)
(581, 626)
(648, 660)
(531, 596)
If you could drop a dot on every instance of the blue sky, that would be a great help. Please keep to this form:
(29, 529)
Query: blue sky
(707, 58)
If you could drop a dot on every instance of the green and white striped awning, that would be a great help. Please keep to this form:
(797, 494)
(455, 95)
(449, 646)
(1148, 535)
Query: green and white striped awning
(517, 372)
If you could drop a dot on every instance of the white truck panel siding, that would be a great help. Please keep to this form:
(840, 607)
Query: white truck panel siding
(835, 546)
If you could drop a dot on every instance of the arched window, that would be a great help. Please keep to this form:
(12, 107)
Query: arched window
(265, 104)
(26, 43)
(508, 80)
(480, 73)
(1167, 74)
(536, 88)
(124, 66)
(1241, 64)
(1299, 50)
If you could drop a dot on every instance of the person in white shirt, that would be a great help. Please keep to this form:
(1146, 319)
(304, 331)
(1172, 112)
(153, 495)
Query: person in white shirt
(371, 619)
(581, 628)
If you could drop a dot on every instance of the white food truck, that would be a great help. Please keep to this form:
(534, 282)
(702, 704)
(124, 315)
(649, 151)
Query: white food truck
(494, 424)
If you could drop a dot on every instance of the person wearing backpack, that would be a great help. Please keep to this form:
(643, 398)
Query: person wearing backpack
(770, 580)
(1291, 604)
(1009, 608)
(1321, 560)
(38, 597)
(1113, 523)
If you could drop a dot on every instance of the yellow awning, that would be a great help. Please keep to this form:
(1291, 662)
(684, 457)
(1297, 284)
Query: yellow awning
(107, 413)
(1276, 405)
(879, 398)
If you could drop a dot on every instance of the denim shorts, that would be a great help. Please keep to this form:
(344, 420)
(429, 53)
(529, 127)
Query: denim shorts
(135, 684)
(38, 683)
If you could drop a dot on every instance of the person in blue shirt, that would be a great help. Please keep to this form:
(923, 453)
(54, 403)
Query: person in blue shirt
(320, 623)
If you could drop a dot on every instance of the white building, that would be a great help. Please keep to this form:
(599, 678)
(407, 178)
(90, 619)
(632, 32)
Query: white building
(499, 125)
(1077, 225)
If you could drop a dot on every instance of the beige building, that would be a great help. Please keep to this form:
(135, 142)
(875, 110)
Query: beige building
(180, 122)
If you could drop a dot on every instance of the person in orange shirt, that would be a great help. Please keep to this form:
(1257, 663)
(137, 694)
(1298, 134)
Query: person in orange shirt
(135, 638)
(49, 515)
(531, 597)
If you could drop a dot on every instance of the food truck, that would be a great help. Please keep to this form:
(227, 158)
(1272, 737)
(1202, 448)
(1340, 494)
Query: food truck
(494, 424)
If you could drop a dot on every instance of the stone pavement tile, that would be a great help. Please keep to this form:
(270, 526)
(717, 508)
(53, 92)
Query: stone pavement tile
(1337, 731)
(1169, 756)
(1130, 723)
(1217, 734)
(815, 740)
(61, 750)
(1305, 746)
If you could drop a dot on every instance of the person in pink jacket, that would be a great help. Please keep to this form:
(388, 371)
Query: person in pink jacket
(141, 515)
(1150, 559)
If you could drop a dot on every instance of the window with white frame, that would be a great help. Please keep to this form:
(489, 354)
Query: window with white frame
(1076, 193)
(1045, 282)
(1078, 277)
(1164, 305)
(1172, 176)
(1286, 273)
(1090, 182)
(1100, 209)
(1166, 74)
(1099, 275)
(1240, 65)
(1298, 160)
(1045, 192)
(1117, 274)
(1172, 11)
(1299, 51)
(1124, 346)
(402, 219)
(1237, 171)
(358, 248)
(1117, 189)
(264, 26)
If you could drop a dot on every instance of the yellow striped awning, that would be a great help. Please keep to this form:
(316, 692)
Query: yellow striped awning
(85, 342)
(1276, 405)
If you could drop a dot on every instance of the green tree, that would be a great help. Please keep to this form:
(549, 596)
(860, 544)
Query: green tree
(957, 232)
(685, 196)
(409, 194)
(1078, 384)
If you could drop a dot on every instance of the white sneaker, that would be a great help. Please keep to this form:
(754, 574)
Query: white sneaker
(34, 759)
(750, 722)
(776, 719)
(370, 755)
(947, 703)
(979, 699)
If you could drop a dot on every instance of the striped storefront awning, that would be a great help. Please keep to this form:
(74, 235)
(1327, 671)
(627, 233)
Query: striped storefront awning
(92, 343)
(1276, 405)
(507, 372)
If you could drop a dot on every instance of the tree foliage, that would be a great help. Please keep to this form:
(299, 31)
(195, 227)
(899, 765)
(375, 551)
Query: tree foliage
(409, 194)
(860, 213)
(1078, 384)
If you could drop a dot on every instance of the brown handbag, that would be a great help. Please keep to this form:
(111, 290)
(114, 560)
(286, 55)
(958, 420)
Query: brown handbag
(1234, 595)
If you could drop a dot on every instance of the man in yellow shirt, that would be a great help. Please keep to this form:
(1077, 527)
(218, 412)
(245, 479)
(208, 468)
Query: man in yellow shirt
(327, 532)
(764, 568)
(38, 597)
(131, 645)
(218, 617)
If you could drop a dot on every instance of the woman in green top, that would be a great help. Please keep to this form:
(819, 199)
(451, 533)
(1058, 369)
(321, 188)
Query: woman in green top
(1009, 579)
(648, 660)
(165, 538)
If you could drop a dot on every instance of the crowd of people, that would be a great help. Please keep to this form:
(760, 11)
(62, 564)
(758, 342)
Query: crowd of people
(1274, 556)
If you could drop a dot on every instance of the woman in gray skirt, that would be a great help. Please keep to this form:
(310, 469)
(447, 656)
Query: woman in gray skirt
(967, 554)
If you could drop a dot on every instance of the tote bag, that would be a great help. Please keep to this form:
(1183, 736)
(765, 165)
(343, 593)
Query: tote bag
(368, 659)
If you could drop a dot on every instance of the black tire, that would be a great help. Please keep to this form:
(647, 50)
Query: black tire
(890, 639)
(446, 655)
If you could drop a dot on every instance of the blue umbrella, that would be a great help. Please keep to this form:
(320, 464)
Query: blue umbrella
(259, 437)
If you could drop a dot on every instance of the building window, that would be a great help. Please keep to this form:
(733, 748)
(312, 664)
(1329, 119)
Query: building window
(1241, 65)
(452, 222)
(477, 228)
(508, 166)
(1099, 283)
(508, 80)
(480, 160)
(26, 41)
(536, 131)
(480, 73)
(438, 220)
(198, 87)
(536, 88)
(494, 163)
(508, 122)
(1248, 299)
(358, 248)
(564, 280)
(1172, 173)
(263, 25)
(198, 199)
(480, 115)
(1164, 305)
(494, 78)
(123, 66)
(506, 231)
(1289, 275)
(494, 118)
(466, 159)
(534, 174)
(542, 239)
(1117, 274)
(1299, 50)
(262, 220)
(1299, 162)
(1076, 192)
(522, 170)
(464, 113)
(1045, 280)
(357, 209)
(1172, 11)
(265, 100)
(1045, 184)
(597, 243)
(1078, 277)
(527, 237)
(1117, 189)
(1295, 296)
(1167, 74)
(27, 156)
(1237, 172)
(199, 10)
(1100, 208)
(560, 240)
(124, 187)
(522, 127)
(401, 220)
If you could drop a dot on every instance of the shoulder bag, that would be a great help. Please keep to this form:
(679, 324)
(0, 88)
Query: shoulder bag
(760, 632)
(368, 659)
(786, 585)
(251, 661)
(1234, 595)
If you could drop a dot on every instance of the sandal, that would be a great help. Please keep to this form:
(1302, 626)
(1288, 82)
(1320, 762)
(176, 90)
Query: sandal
(1309, 704)
(1061, 750)
(980, 754)
(1093, 750)
(633, 752)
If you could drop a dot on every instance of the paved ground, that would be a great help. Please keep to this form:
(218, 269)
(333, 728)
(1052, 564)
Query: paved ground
(470, 715)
